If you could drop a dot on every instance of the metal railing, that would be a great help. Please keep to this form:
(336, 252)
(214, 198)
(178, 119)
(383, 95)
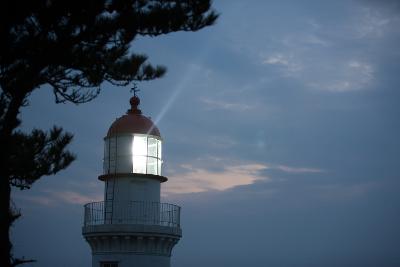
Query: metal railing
(134, 212)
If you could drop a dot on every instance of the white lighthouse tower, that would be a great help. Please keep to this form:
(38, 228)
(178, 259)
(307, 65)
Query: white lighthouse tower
(131, 228)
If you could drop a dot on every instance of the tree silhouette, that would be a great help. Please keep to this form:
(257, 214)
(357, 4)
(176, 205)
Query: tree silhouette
(73, 46)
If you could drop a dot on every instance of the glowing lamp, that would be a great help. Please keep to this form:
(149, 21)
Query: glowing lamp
(146, 154)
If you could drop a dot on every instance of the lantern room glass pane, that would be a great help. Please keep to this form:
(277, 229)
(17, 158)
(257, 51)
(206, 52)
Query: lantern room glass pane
(152, 166)
(146, 155)
(159, 149)
(139, 146)
(139, 164)
(152, 147)
(159, 162)
(112, 150)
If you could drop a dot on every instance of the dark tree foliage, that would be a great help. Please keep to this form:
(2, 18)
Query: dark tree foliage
(72, 46)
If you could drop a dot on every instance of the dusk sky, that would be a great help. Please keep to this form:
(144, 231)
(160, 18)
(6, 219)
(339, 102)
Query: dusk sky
(281, 138)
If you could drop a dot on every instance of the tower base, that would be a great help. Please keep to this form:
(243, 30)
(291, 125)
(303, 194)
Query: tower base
(131, 245)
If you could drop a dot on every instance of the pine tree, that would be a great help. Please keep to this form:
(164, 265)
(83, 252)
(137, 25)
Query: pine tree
(72, 46)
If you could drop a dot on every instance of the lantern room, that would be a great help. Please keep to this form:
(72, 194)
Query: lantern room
(133, 144)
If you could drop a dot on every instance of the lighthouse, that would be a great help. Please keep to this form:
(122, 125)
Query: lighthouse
(131, 227)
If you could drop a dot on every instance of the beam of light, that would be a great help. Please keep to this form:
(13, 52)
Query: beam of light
(183, 84)
(191, 70)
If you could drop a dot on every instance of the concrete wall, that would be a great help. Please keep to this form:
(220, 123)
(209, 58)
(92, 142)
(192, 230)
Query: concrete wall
(132, 200)
(128, 189)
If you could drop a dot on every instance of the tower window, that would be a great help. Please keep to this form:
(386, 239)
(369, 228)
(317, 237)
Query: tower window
(108, 264)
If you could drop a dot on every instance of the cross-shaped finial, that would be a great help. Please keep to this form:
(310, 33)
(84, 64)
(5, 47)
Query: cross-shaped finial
(134, 89)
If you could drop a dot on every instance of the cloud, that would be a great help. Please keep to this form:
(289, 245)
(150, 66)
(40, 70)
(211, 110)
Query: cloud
(74, 197)
(351, 76)
(213, 173)
(324, 73)
(365, 70)
(277, 60)
(317, 53)
(286, 63)
(222, 142)
(55, 198)
(295, 170)
(198, 179)
(373, 23)
(315, 40)
(307, 39)
(225, 105)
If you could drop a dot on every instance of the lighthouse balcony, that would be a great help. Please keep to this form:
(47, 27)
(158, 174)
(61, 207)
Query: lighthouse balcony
(134, 217)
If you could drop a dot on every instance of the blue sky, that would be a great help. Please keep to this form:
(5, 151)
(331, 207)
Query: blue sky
(280, 127)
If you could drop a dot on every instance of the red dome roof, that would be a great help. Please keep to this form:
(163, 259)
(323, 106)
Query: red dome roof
(133, 122)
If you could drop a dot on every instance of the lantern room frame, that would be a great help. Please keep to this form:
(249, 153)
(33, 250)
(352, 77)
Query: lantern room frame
(143, 151)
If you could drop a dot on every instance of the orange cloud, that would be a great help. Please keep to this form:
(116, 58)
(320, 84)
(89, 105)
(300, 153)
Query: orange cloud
(200, 179)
